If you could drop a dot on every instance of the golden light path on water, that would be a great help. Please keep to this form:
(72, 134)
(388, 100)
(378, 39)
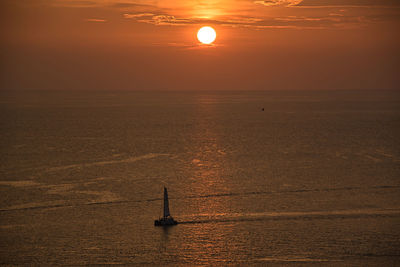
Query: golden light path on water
(208, 173)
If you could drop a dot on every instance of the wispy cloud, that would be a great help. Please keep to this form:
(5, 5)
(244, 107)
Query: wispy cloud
(189, 45)
(257, 14)
(128, 5)
(278, 2)
(138, 15)
(96, 20)
(73, 3)
(349, 3)
(283, 22)
(165, 19)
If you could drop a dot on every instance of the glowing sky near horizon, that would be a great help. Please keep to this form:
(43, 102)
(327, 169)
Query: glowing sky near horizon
(148, 44)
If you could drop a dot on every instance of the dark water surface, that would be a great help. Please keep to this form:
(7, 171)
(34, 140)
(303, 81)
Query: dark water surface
(313, 179)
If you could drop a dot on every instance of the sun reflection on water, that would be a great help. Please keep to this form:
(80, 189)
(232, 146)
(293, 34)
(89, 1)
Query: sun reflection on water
(207, 176)
(208, 156)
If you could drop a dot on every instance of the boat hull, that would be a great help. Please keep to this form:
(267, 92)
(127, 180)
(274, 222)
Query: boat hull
(165, 222)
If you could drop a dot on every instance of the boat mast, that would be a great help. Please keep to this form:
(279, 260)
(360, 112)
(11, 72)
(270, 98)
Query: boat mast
(166, 205)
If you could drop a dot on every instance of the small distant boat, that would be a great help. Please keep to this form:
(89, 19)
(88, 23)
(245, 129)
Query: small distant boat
(167, 219)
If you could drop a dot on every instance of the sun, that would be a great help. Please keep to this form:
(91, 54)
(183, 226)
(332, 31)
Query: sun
(206, 35)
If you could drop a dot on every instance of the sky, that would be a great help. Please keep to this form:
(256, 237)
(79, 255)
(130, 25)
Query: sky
(152, 45)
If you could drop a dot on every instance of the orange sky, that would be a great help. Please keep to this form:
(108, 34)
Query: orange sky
(152, 45)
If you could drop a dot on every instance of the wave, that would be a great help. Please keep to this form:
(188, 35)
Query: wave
(294, 191)
(47, 205)
(21, 183)
(295, 259)
(107, 162)
(111, 199)
(304, 215)
(33, 206)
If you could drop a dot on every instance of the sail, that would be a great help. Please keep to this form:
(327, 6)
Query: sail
(166, 205)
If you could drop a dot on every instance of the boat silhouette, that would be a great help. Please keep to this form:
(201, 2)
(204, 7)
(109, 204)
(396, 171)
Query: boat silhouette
(167, 219)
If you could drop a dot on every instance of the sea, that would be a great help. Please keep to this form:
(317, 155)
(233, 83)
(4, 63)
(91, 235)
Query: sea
(255, 178)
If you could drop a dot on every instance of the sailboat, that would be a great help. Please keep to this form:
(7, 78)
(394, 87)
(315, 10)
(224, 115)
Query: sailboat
(167, 218)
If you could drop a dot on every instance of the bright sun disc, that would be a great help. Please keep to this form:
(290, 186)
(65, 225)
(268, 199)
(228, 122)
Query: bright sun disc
(206, 35)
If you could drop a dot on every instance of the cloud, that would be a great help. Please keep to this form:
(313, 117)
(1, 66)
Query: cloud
(73, 3)
(126, 5)
(283, 22)
(278, 2)
(166, 19)
(349, 3)
(158, 19)
(138, 15)
(96, 20)
(289, 14)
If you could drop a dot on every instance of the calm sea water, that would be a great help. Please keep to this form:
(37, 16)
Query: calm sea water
(312, 179)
